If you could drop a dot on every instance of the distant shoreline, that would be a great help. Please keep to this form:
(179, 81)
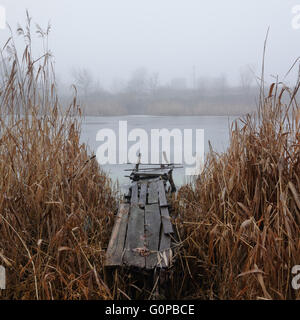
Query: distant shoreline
(169, 115)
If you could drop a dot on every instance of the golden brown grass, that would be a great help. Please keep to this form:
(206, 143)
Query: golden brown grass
(240, 220)
(56, 205)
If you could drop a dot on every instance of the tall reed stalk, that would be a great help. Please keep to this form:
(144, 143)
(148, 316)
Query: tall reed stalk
(56, 205)
(240, 220)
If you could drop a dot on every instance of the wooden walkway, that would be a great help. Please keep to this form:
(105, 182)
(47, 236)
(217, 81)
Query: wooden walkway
(142, 233)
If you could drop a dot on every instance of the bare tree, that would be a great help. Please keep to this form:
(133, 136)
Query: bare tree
(138, 82)
(83, 80)
(117, 86)
(220, 84)
(154, 82)
(203, 84)
(246, 77)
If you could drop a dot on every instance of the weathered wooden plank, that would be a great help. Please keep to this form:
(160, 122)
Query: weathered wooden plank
(166, 220)
(162, 194)
(165, 170)
(143, 194)
(134, 194)
(152, 233)
(135, 239)
(151, 173)
(165, 253)
(117, 240)
(152, 193)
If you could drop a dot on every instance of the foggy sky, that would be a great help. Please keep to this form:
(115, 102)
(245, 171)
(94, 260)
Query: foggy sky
(112, 38)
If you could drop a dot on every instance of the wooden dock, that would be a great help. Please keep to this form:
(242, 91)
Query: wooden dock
(142, 234)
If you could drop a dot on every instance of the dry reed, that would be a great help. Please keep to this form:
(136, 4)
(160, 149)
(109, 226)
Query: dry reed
(240, 220)
(56, 205)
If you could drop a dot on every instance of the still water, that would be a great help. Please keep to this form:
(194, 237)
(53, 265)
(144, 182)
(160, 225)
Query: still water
(216, 130)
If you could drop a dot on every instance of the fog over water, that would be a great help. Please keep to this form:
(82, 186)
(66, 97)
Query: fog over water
(216, 131)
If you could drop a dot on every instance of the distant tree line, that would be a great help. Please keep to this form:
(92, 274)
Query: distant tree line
(144, 94)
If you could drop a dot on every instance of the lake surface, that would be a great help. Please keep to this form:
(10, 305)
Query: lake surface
(216, 130)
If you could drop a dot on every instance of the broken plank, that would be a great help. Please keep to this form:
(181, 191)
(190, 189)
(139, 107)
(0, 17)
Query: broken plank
(151, 173)
(165, 252)
(117, 241)
(151, 169)
(134, 193)
(143, 194)
(152, 193)
(135, 245)
(162, 194)
(152, 233)
(166, 220)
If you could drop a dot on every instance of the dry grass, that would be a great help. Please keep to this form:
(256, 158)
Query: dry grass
(240, 220)
(56, 206)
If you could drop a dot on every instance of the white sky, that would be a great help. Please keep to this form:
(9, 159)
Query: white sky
(112, 38)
